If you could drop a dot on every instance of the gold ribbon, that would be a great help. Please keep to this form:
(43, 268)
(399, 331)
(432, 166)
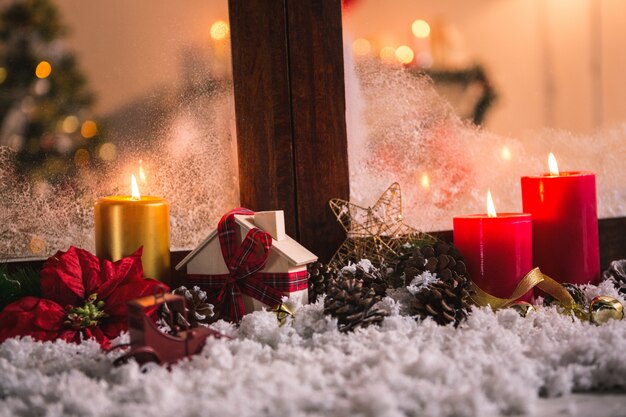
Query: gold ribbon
(535, 278)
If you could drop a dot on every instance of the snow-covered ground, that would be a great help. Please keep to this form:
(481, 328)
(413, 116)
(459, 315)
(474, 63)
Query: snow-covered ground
(495, 363)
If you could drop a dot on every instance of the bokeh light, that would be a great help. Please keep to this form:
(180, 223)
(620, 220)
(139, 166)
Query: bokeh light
(88, 129)
(107, 152)
(43, 69)
(405, 54)
(505, 153)
(81, 158)
(424, 60)
(37, 244)
(388, 54)
(70, 124)
(28, 105)
(219, 30)
(361, 47)
(41, 87)
(425, 180)
(420, 29)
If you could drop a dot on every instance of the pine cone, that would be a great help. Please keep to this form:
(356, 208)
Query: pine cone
(199, 311)
(440, 258)
(446, 300)
(352, 303)
(372, 279)
(577, 294)
(320, 277)
(617, 274)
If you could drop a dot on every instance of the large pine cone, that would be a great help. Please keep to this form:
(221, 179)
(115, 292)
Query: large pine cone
(372, 279)
(320, 277)
(617, 274)
(440, 258)
(446, 300)
(352, 303)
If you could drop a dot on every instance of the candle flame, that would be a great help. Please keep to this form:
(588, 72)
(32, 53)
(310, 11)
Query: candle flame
(134, 188)
(491, 209)
(554, 168)
(425, 180)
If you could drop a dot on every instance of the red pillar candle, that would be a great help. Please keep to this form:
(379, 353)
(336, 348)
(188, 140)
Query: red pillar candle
(565, 224)
(497, 250)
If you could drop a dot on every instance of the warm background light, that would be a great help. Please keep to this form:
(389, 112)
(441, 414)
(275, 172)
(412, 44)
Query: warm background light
(361, 47)
(142, 173)
(81, 157)
(43, 69)
(388, 54)
(491, 209)
(70, 124)
(552, 165)
(505, 153)
(107, 152)
(3, 74)
(425, 180)
(405, 54)
(89, 129)
(420, 29)
(219, 30)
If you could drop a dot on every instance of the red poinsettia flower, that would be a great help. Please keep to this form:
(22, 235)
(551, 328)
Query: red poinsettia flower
(82, 298)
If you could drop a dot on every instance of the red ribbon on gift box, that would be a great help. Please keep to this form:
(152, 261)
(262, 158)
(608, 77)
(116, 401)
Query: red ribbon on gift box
(244, 262)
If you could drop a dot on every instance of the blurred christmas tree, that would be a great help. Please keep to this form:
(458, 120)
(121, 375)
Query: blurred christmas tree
(44, 102)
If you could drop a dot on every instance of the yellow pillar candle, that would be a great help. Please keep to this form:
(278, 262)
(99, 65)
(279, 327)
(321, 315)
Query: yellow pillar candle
(124, 223)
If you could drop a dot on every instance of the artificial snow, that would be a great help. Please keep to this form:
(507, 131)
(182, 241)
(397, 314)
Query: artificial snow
(494, 363)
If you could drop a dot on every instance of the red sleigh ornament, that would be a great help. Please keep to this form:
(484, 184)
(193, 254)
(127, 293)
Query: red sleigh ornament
(249, 262)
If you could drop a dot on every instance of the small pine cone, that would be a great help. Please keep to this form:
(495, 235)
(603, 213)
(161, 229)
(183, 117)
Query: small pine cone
(352, 303)
(617, 274)
(199, 311)
(320, 277)
(440, 258)
(372, 279)
(577, 294)
(446, 300)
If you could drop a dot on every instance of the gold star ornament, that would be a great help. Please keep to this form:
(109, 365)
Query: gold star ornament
(376, 233)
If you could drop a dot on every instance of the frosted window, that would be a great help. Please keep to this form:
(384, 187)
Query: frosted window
(554, 67)
(161, 78)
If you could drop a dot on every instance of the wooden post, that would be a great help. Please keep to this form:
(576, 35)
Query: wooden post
(290, 108)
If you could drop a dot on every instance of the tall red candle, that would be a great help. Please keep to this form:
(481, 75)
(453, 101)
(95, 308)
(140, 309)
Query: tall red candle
(497, 250)
(565, 225)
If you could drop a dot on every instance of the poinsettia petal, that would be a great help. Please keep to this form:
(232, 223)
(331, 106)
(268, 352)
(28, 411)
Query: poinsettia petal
(31, 316)
(96, 333)
(116, 304)
(115, 273)
(113, 328)
(90, 268)
(61, 278)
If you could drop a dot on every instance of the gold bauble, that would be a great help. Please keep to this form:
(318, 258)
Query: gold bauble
(282, 312)
(603, 309)
(523, 308)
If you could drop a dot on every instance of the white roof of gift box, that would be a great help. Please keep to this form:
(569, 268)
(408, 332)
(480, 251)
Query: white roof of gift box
(272, 222)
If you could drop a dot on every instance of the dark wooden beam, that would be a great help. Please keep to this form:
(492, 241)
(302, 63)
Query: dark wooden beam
(263, 107)
(319, 125)
(290, 109)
